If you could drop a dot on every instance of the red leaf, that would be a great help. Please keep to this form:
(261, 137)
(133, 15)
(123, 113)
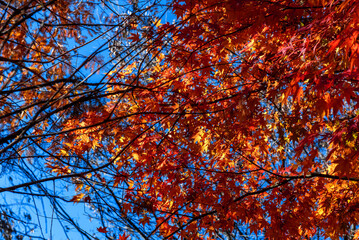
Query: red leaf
(123, 237)
(102, 229)
(333, 45)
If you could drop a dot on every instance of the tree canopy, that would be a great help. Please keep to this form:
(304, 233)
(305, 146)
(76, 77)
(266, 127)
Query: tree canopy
(184, 119)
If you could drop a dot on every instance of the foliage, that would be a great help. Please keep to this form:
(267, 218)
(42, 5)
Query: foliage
(236, 118)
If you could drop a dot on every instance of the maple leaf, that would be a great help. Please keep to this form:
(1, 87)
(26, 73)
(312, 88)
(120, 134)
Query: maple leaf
(77, 198)
(123, 237)
(102, 229)
(199, 135)
(135, 37)
(145, 220)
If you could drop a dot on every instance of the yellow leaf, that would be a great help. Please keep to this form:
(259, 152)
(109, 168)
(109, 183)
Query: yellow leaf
(63, 152)
(79, 186)
(198, 135)
(158, 22)
(135, 156)
(130, 184)
(113, 71)
(356, 235)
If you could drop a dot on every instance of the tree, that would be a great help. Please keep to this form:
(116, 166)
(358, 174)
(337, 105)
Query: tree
(236, 118)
